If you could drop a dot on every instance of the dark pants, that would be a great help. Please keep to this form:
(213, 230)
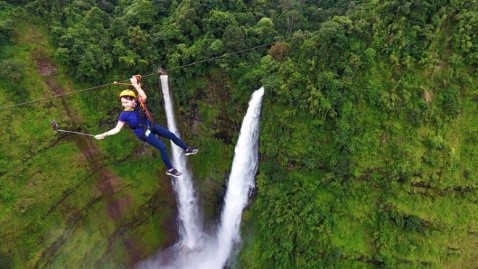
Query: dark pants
(153, 140)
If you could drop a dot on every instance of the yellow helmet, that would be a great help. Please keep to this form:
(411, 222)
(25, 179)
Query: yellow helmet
(128, 93)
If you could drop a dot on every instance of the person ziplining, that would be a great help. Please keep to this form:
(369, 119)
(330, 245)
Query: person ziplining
(139, 119)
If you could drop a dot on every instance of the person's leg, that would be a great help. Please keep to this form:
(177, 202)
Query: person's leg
(157, 143)
(161, 131)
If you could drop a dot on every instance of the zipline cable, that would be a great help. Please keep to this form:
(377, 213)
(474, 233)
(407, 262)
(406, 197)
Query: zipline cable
(221, 56)
(120, 82)
(54, 96)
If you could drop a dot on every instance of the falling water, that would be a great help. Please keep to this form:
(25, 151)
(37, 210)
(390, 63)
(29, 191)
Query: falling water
(215, 251)
(241, 180)
(190, 230)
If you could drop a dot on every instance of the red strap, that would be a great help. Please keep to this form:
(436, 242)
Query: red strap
(145, 109)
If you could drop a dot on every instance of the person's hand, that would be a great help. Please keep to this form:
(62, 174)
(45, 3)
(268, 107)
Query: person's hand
(135, 80)
(100, 136)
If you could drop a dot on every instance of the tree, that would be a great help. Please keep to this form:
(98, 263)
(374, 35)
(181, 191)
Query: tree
(290, 16)
(162, 7)
(86, 45)
(187, 21)
(6, 24)
(218, 21)
(233, 38)
(140, 12)
(264, 31)
(278, 51)
(465, 39)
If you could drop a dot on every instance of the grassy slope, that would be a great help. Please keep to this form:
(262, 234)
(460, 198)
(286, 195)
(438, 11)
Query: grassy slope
(426, 218)
(54, 212)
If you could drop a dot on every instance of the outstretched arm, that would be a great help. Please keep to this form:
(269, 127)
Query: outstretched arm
(137, 85)
(113, 131)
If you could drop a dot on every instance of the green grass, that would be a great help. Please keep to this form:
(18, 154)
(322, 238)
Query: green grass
(351, 232)
(49, 193)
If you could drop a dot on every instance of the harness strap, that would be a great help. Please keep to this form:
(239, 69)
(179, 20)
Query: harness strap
(145, 109)
(142, 124)
(141, 102)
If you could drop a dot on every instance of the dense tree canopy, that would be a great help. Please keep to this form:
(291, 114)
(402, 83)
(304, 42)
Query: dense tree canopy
(368, 130)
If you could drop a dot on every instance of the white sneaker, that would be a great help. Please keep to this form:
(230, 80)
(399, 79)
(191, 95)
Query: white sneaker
(190, 151)
(173, 172)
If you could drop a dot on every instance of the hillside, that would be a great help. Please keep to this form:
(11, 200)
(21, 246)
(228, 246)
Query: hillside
(368, 131)
(64, 202)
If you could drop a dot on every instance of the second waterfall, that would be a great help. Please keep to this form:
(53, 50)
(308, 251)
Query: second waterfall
(196, 250)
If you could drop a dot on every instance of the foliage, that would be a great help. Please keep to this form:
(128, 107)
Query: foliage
(6, 23)
(387, 124)
(368, 130)
(52, 195)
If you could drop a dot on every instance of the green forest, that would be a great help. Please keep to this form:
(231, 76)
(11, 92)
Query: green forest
(368, 133)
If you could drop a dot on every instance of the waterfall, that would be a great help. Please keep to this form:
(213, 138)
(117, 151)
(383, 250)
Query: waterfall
(241, 179)
(190, 230)
(214, 251)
